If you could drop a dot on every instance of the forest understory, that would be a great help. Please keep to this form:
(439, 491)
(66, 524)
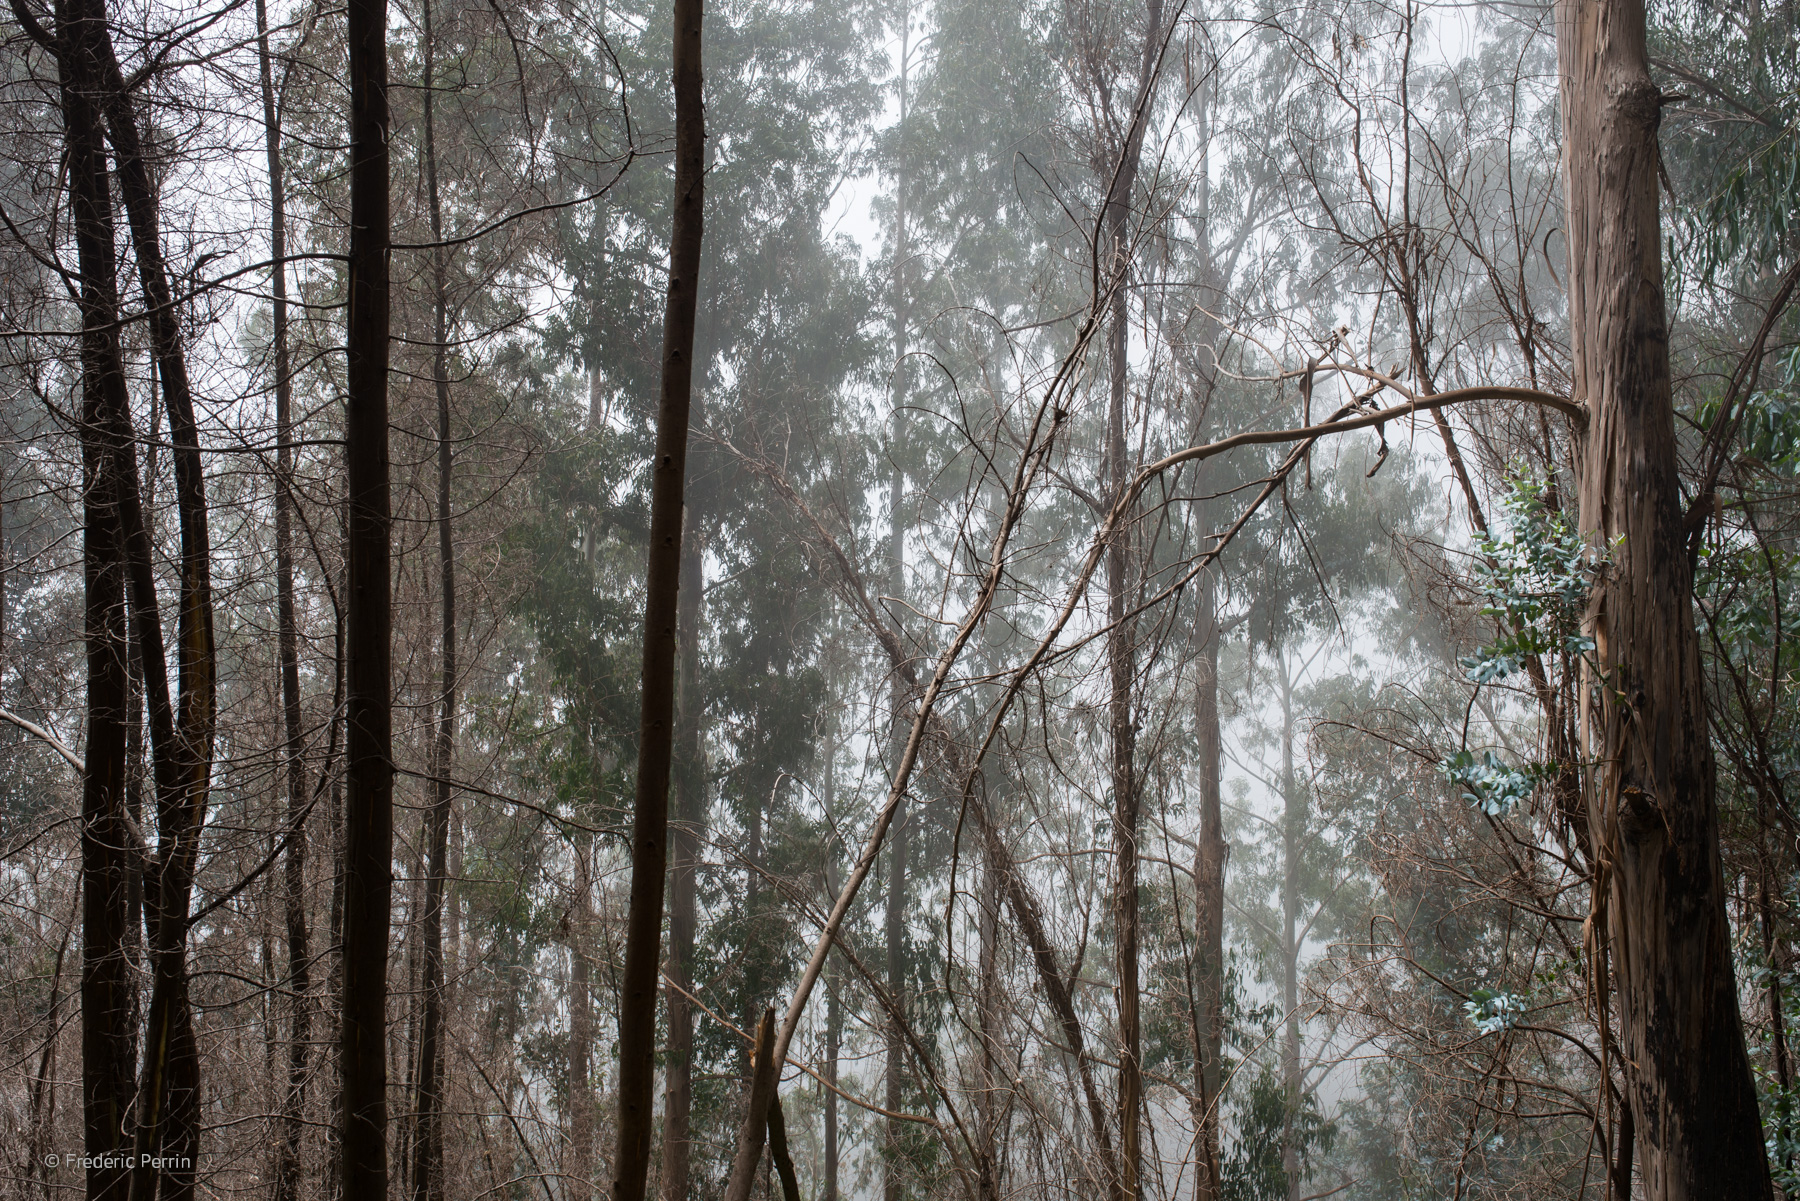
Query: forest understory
(1179, 600)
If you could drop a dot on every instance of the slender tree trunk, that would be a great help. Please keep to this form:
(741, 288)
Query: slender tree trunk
(108, 1046)
(428, 1141)
(690, 802)
(765, 1076)
(988, 1030)
(650, 809)
(578, 1182)
(286, 1175)
(1121, 653)
(894, 919)
(834, 1006)
(1121, 658)
(368, 778)
(1293, 817)
(1209, 908)
(1660, 900)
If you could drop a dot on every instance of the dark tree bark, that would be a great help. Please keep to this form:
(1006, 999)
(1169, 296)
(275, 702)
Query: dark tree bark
(428, 1137)
(285, 1176)
(1659, 894)
(369, 774)
(108, 1045)
(765, 1076)
(650, 807)
(690, 800)
(91, 87)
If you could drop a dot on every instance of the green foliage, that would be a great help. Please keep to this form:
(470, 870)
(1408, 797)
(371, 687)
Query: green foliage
(1252, 1169)
(1493, 1010)
(1534, 580)
(1491, 784)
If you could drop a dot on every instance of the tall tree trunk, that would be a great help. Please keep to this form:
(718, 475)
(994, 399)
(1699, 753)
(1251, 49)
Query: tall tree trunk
(578, 1183)
(428, 1139)
(834, 1005)
(690, 802)
(1209, 907)
(1292, 816)
(899, 849)
(108, 1045)
(650, 806)
(368, 777)
(1652, 809)
(169, 1103)
(286, 1174)
(1121, 171)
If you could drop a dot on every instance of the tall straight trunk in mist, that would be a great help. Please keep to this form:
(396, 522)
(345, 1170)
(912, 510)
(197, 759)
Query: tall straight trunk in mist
(690, 801)
(834, 1002)
(579, 1172)
(428, 1135)
(1293, 818)
(1121, 651)
(1659, 900)
(285, 1175)
(1209, 906)
(650, 806)
(369, 775)
(899, 848)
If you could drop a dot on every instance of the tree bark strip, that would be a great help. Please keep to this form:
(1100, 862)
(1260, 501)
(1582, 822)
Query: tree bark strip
(108, 989)
(286, 1178)
(1659, 894)
(690, 801)
(428, 1136)
(650, 806)
(368, 778)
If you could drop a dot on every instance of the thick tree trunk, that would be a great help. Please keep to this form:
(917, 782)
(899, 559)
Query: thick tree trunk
(168, 1104)
(368, 779)
(1209, 909)
(690, 802)
(650, 808)
(1652, 811)
(428, 1137)
(285, 1175)
(108, 1045)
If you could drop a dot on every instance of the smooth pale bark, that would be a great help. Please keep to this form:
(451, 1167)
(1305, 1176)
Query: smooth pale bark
(368, 777)
(690, 801)
(428, 1135)
(650, 807)
(1652, 810)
